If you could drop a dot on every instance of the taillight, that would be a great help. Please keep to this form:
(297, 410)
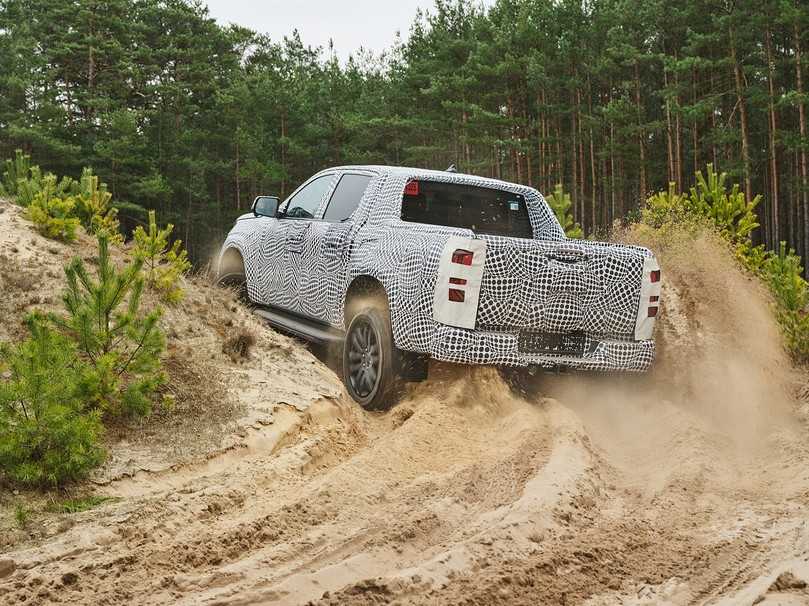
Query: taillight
(654, 276)
(652, 312)
(412, 188)
(456, 295)
(462, 257)
(458, 281)
(654, 299)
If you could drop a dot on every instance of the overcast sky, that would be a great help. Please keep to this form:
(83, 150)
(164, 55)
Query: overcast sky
(350, 23)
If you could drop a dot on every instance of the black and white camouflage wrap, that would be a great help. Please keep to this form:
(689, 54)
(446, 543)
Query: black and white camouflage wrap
(550, 284)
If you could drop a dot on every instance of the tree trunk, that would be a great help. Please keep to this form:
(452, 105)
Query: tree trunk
(678, 134)
(466, 153)
(775, 231)
(593, 189)
(91, 66)
(695, 131)
(669, 135)
(238, 181)
(714, 157)
(582, 173)
(575, 156)
(804, 194)
(641, 136)
(739, 80)
(612, 163)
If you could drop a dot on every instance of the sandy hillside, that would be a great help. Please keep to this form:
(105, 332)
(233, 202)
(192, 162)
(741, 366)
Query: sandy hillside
(686, 486)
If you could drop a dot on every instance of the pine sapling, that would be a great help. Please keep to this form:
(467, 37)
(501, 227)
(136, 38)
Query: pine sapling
(94, 206)
(121, 345)
(14, 171)
(48, 436)
(560, 203)
(163, 265)
(53, 215)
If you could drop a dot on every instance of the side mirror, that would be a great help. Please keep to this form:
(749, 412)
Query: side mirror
(265, 206)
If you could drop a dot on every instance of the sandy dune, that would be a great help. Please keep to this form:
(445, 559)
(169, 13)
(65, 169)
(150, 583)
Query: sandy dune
(686, 486)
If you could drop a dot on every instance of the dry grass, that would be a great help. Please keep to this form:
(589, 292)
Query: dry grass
(239, 345)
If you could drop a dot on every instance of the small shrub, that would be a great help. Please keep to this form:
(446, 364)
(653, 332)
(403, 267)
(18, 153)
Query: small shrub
(666, 207)
(560, 203)
(15, 170)
(48, 437)
(94, 207)
(28, 189)
(53, 216)
(22, 516)
(162, 264)
(732, 215)
(78, 504)
(239, 345)
(121, 345)
(23, 181)
(784, 275)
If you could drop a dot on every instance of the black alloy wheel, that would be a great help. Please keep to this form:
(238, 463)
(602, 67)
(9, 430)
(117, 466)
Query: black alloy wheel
(364, 358)
(369, 358)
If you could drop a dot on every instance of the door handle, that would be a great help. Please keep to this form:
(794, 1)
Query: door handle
(295, 237)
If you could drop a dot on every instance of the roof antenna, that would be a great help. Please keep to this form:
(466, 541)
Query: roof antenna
(451, 169)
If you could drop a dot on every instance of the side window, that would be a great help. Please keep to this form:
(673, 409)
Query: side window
(304, 204)
(346, 197)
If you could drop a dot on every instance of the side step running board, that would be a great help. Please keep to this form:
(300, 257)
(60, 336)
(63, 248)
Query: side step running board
(300, 327)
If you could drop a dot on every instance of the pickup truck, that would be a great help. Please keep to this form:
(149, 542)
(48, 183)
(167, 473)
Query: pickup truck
(398, 265)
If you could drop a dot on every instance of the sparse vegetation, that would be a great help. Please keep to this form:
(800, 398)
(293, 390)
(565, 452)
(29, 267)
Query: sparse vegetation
(21, 516)
(239, 345)
(78, 504)
(711, 204)
(58, 206)
(163, 264)
(102, 358)
(48, 435)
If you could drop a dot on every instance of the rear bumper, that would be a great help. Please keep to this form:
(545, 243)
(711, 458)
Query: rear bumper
(466, 346)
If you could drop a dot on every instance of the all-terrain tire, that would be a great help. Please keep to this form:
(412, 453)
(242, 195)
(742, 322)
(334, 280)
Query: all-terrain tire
(370, 359)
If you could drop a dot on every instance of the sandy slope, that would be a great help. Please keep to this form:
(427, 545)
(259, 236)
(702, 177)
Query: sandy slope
(688, 486)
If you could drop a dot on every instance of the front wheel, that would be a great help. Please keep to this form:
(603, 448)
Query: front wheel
(369, 359)
(236, 281)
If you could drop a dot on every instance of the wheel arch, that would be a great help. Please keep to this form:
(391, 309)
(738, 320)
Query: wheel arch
(231, 262)
(361, 287)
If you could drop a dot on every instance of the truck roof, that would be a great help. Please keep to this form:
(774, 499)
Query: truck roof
(426, 173)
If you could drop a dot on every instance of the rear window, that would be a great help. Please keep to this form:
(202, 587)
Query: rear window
(483, 210)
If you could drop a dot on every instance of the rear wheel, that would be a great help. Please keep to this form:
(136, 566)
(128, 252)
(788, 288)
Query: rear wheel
(369, 359)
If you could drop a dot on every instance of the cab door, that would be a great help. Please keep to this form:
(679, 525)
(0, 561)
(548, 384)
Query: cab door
(286, 252)
(324, 279)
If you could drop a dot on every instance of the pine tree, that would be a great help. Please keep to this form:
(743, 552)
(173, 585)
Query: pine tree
(121, 345)
(163, 265)
(48, 436)
(560, 203)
